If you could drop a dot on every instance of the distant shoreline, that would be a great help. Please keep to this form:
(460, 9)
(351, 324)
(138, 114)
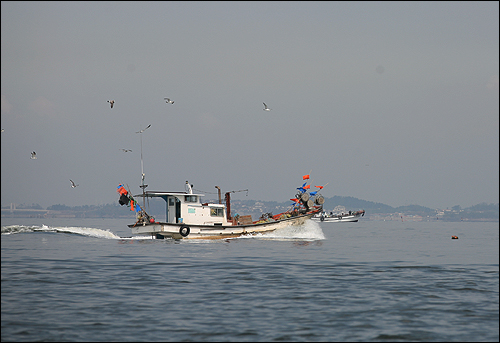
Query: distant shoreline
(374, 211)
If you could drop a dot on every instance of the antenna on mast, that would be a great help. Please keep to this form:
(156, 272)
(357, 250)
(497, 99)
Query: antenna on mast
(143, 186)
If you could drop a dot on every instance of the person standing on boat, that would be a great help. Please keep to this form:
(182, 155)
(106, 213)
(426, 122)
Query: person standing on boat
(189, 188)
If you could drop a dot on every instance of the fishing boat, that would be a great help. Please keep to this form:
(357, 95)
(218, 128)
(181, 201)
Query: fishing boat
(187, 217)
(350, 216)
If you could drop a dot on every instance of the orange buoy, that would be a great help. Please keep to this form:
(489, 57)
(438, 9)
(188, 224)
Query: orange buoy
(454, 237)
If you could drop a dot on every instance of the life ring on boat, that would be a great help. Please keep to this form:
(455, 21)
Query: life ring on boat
(184, 230)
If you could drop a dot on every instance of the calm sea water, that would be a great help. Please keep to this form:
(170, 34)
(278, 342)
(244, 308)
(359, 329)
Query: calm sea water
(77, 280)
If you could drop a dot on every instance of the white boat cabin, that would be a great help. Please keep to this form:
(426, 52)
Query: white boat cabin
(187, 208)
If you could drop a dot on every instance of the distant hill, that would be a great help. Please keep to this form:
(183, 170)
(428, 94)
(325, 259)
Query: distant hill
(354, 204)
(257, 207)
(478, 212)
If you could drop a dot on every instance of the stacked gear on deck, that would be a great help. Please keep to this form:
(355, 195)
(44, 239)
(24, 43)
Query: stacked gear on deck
(304, 201)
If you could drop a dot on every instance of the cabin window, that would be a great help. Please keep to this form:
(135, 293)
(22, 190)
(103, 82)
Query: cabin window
(191, 198)
(216, 212)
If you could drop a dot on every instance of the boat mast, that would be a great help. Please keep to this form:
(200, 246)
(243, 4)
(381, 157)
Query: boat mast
(220, 200)
(143, 186)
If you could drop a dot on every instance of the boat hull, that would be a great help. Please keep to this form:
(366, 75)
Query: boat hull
(339, 218)
(194, 231)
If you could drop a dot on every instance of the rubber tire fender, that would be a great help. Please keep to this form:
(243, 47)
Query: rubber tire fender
(184, 230)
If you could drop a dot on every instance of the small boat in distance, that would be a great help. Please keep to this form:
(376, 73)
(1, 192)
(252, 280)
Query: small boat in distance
(336, 218)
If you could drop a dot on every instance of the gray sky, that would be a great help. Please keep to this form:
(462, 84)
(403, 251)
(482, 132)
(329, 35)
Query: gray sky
(389, 102)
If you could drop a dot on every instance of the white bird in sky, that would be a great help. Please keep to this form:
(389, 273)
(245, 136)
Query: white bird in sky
(33, 155)
(126, 150)
(111, 102)
(147, 127)
(168, 101)
(265, 107)
(72, 184)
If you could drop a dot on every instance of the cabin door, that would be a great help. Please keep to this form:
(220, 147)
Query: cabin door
(171, 210)
(177, 210)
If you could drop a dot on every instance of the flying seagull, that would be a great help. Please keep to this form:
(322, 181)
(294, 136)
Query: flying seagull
(73, 184)
(147, 127)
(168, 101)
(33, 155)
(111, 102)
(127, 150)
(265, 107)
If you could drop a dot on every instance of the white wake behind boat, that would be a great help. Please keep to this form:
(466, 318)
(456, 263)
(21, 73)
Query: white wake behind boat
(337, 218)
